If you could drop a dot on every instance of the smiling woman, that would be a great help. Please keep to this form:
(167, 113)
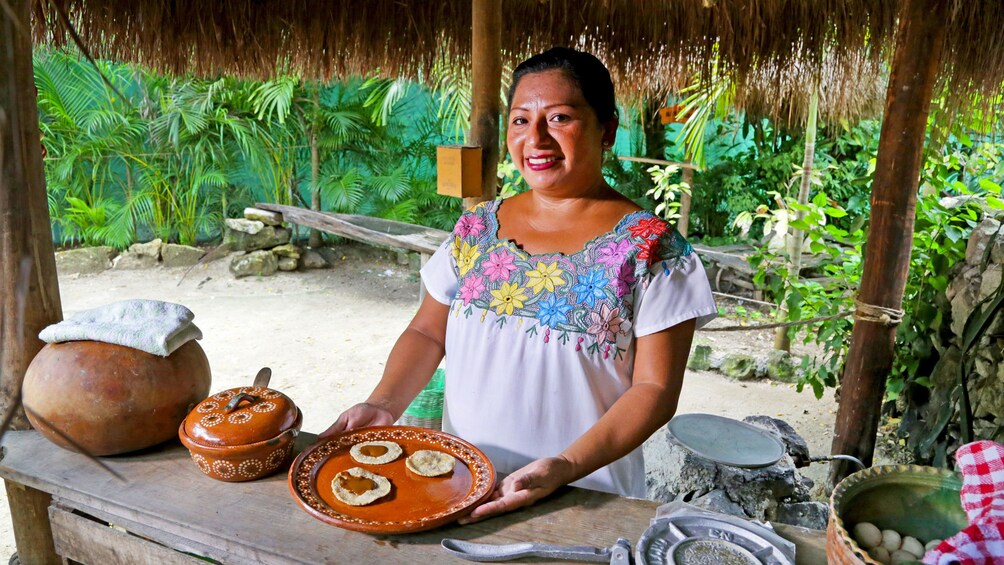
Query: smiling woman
(565, 313)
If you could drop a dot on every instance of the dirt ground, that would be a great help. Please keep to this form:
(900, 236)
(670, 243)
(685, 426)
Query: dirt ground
(327, 333)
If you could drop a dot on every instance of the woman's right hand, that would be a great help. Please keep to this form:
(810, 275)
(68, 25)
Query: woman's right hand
(359, 416)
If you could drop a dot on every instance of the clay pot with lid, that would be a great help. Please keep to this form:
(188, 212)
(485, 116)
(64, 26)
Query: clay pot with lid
(242, 434)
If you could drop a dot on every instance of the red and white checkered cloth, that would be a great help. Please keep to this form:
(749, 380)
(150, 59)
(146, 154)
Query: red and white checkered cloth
(982, 543)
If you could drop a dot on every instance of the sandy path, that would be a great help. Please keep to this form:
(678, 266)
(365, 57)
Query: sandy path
(326, 335)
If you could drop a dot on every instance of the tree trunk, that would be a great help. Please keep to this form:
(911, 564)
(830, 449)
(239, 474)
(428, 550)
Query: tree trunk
(684, 224)
(29, 299)
(782, 341)
(655, 132)
(919, 43)
(315, 168)
(486, 81)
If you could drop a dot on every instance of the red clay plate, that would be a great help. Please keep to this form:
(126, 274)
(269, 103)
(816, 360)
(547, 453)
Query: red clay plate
(415, 503)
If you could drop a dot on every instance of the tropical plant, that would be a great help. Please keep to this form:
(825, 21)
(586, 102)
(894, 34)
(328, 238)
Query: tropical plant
(91, 138)
(667, 191)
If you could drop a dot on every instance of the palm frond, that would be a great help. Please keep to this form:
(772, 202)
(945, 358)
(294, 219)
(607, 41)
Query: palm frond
(274, 97)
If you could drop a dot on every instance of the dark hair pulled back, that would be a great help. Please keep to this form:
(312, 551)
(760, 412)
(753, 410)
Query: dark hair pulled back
(588, 73)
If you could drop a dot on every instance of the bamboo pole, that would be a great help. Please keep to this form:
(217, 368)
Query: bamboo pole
(782, 341)
(26, 254)
(919, 45)
(486, 81)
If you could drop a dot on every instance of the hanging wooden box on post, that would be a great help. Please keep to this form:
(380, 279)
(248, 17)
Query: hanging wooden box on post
(458, 170)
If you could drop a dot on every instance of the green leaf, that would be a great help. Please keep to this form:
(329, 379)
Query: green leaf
(990, 186)
(835, 231)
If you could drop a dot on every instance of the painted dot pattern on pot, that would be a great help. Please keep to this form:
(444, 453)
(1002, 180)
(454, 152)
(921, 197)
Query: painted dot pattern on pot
(244, 470)
(242, 415)
(250, 468)
(202, 463)
(208, 407)
(239, 418)
(224, 396)
(210, 420)
(263, 407)
(224, 469)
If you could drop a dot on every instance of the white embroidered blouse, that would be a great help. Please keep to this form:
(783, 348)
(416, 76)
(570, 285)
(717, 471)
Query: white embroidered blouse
(539, 347)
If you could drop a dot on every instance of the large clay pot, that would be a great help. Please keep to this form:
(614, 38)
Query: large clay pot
(112, 399)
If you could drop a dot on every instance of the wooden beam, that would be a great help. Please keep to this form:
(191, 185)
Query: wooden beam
(486, 82)
(919, 44)
(29, 291)
(364, 228)
(86, 540)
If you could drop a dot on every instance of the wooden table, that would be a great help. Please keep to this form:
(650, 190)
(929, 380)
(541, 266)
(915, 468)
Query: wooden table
(167, 506)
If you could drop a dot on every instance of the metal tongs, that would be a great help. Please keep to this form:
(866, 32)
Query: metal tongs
(619, 553)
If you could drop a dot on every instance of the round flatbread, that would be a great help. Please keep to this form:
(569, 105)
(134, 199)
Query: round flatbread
(359, 487)
(429, 463)
(375, 452)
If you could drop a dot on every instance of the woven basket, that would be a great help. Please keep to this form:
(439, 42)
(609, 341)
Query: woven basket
(917, 501)
(426, 411)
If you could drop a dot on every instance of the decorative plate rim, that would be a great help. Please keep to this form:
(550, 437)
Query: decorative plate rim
(302, 478)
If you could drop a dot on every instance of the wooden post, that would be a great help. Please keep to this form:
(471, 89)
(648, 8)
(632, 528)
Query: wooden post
(24, 214)
(34, 543)
(919, 43)
(25, 244)
(486, 79)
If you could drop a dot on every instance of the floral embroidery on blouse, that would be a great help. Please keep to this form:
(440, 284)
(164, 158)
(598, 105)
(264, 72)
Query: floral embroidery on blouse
(589, 293)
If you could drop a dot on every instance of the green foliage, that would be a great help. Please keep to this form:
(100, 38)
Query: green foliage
(743, 180)
(705, 101)
(955, 182)
(179, 154)
(512, 182)
(666, 191)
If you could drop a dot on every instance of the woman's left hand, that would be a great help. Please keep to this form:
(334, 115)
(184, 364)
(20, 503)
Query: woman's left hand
(524, 487)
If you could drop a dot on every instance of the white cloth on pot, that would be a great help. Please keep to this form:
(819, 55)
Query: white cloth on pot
(153, 326)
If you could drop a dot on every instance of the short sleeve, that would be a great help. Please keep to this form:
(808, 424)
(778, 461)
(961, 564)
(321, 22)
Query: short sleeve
(676, 291)
(440, 274)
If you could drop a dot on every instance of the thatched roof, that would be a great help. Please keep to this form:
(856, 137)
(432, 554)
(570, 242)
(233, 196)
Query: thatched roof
(646, 43)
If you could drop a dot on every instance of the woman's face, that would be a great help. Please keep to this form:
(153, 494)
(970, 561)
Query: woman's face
(554, 136)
